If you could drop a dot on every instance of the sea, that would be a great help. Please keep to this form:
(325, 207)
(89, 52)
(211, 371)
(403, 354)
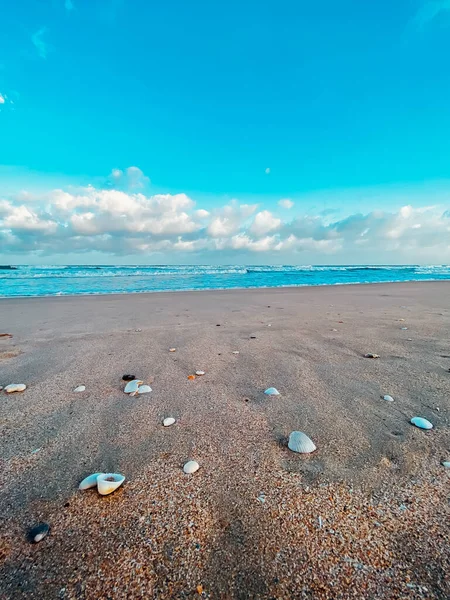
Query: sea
(53, 280)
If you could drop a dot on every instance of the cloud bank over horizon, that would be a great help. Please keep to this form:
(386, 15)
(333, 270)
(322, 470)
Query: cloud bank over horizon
(122, 219)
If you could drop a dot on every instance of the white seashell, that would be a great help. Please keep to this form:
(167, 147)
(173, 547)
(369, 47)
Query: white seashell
(133, 386)
(80, 388)
(300, 442)
(89, 482)
(388, 398)
(144, 389)
(172, 349)
(199, 373)
(235, 352)
(421, 423)
(105, 487)
(15, 387)
(168, 421)
(272, 392)
(191, 467)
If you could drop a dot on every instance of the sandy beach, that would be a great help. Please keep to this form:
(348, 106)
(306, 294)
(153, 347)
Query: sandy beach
(365, 516)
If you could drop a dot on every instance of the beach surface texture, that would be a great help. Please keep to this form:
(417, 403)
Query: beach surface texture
(365, 515)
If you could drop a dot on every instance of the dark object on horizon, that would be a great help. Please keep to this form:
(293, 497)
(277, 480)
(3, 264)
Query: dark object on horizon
(129, 377)
(8, 268)
(38, 532)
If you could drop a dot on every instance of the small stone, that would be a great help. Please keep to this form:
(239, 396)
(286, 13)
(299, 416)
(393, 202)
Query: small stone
(15, 387)
(191, 467)
(80, 388)
(421, 423)
(404, 328)
(128, 377)
(218, 325)
(199, 589)
(199, 373)
(138, 330)
(38, 532)
(388, 398)
(168, 421)
(446, 464)
(371, 355)
(253, 337)
(172, 349)
(235, 352)
(191, 377)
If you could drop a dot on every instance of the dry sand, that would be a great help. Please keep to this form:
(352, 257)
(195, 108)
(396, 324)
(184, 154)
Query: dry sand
(246, 525)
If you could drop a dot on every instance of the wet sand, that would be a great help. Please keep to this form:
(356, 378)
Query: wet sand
(365, 516)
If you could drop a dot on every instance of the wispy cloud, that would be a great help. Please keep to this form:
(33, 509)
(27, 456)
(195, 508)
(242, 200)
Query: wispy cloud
(41, 46)
(68, 4)
(429, 12)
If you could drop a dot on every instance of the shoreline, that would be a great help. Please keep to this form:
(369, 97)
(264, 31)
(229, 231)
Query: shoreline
(246, 525)
(234, 289)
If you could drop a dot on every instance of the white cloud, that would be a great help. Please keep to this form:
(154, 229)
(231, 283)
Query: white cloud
(118, 222)
(267, 171)
(285, 203)
(130, 179)
(264, 222)
(41, 46)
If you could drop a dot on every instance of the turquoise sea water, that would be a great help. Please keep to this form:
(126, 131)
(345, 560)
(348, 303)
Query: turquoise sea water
(68, 280)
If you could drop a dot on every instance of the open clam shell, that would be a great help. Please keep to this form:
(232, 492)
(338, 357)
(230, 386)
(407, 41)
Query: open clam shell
(89, 482)
(108, 482)
(133, 386)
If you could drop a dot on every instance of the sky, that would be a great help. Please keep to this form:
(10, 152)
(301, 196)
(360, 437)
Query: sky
(269, 132)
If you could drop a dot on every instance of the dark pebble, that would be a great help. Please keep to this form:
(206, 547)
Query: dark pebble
(38, 532)
(253, 337)
(129, 377)
(218, 325)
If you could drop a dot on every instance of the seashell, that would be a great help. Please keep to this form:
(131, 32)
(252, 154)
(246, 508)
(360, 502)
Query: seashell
(144, 389)
(108, 482)
(199, 373)
(421, 423)
(235, 352)
(172, 349)
(400, 319)
(272, 392)
(371, 355)
(191, 377)
(132, 386)
(168, 421)
(300, 442)
(80, 388)
(446, 464)
(38, 532)
(89, 482)
(191, 467)
(388, 398)
(128, 377)
(15, 387)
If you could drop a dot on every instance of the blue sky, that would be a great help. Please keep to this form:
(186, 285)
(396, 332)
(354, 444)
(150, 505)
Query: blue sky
(341, 107)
